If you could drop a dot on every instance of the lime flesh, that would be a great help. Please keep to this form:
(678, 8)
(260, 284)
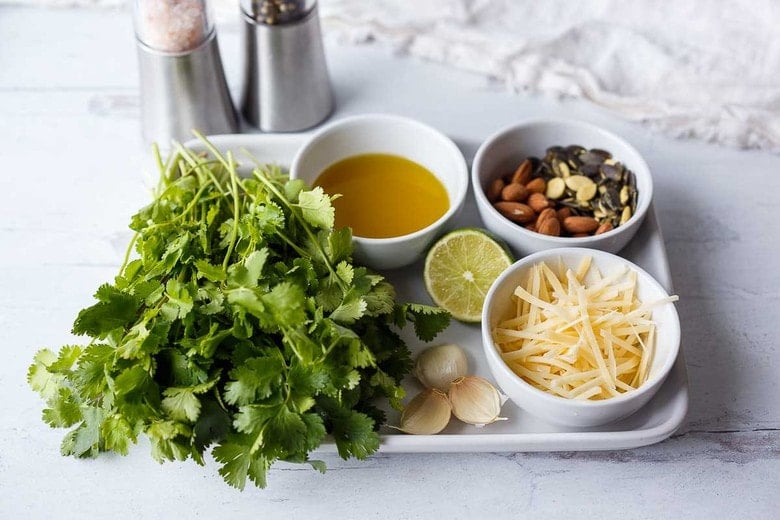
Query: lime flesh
(460, 268)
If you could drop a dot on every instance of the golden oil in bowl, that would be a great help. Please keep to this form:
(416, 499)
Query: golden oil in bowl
(383, 195)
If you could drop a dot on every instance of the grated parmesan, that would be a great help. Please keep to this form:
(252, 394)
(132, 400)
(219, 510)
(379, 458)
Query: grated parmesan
(577, 334)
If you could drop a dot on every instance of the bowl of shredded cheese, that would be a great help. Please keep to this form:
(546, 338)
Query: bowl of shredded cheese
(579, 337)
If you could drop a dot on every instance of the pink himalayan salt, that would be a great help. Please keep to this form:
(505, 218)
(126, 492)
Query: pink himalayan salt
(172, 25)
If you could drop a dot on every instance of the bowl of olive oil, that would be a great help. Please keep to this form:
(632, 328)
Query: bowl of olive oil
(398, 182)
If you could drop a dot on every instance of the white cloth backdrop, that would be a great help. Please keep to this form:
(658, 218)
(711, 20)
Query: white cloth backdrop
(691, 68)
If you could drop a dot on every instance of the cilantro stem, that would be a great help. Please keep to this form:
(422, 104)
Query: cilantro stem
(231, 170)
(201, 164)
(211, 148)
(165, 167)
(292, 346)
(129, 251)
(161, 166)
(298, 249)
(220, 402)
(305, 225)
(186, 211)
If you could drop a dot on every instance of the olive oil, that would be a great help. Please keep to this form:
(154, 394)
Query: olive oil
(383, 195)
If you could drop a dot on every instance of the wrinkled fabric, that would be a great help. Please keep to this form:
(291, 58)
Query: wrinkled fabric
(691, 68)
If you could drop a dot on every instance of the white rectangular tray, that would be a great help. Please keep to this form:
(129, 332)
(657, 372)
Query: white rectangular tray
(522, 431)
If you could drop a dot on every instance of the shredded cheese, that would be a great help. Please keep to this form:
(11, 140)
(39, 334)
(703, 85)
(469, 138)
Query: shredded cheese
(578, 334)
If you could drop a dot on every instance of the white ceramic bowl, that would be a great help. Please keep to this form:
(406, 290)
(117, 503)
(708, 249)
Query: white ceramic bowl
(505, 150)
(499, 306)
(377, 133)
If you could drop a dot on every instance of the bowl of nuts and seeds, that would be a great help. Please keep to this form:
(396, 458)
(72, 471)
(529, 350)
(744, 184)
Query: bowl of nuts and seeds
(547, 183)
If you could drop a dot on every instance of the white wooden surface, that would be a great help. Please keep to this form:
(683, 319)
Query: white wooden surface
(72, 172)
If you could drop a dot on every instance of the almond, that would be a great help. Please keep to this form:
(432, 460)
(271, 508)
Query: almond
(545, 214)
(581, 235)
(563, 213)
(523, 173)
(549, 226)
(606, 226)
(494, 189)
(530, 227)
(514, 192)
(538, 185)
(516, 211)
(539, 202)
(575, 225)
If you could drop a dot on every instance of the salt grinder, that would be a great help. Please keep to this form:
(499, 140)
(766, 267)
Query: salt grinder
(286, 87)
(183, 84)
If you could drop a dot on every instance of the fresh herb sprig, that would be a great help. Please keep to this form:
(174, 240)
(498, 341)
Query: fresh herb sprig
(241, 324)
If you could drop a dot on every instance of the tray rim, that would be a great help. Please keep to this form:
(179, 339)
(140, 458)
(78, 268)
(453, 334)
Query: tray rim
(603, 440)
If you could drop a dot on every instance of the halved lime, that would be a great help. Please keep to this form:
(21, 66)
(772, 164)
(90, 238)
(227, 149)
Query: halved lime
(460, 268)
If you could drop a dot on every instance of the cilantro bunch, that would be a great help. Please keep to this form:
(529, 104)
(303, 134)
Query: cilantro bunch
(241, 325)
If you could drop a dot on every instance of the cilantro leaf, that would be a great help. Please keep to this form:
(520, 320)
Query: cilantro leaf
(181, 404)
(285, 302)
(115, 309)
(64, 410)
(131, 379)
(316, 208)
(90, 375)
(350, 310)
(66, 358)
(353, 431)
(210, 271)
(40, 378)
(213, 425)
(117, 434)
(267, 217)
(381, 299)
(339, 245)
(253, 419)
(428, 321)
(168, 439)
(315, 433)
(238, 463)
(254, 380)
(286, 432)
(84, 440)
(180, 301)
(254, 264)
(250, 300)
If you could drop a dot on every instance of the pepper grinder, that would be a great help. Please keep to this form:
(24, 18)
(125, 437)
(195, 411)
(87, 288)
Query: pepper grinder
(183, 85)
(286, 87)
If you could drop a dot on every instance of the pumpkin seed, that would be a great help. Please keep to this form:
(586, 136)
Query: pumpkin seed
(624, 195)
(591, 159)
(631, 179)
(575, 182)
(625, 215)
(587, 191)
(612, 199)
(590, 170)
(613, 172)
(555, 188)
